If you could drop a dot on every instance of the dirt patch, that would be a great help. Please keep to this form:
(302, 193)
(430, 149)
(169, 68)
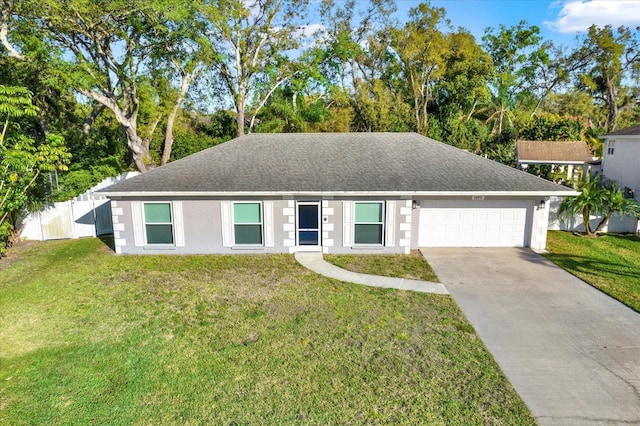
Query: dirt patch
(16, 251)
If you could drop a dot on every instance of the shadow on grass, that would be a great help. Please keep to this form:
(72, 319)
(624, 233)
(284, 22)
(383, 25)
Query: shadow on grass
(625, 237)
(592, 266)
(108, 241)
(620, 279)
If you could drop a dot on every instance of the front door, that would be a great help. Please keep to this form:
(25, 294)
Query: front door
(308, 225)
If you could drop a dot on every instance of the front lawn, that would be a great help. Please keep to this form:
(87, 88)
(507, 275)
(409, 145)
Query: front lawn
(89, 337)
(610, 263)
(412, 266)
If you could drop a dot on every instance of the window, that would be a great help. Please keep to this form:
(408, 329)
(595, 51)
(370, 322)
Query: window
(247, 223)
(158, 223)
(611, 146)
(368, 224)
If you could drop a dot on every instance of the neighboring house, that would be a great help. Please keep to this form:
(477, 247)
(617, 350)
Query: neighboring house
(562, 154)
(336, 193)
(621, 160)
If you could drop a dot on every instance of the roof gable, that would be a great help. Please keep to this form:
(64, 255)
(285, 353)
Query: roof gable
(551, 151)
(629, 131)
(333, 163)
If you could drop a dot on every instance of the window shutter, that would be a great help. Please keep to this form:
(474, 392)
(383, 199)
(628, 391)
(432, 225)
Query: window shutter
(268, 224)
(390, 228)
(227, 224)
(347, 223)
(178, 223)
(138, 223)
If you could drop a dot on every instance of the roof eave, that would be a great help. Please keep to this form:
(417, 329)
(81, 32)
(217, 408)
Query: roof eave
(284, 194)
(562, 162)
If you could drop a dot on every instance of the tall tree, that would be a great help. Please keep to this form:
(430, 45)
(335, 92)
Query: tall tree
(182, 53)
(517, 52)
(608, 57)
(421, 50)
(105, 51)
(467, 72)
(253, 37)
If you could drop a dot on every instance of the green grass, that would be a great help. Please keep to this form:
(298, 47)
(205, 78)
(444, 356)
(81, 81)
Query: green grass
(412, 266)
(89, 337)
(610, 263)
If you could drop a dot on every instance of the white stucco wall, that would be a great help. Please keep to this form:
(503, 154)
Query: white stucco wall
(623, 166)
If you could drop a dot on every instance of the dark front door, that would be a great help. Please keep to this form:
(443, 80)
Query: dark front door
(309, 224)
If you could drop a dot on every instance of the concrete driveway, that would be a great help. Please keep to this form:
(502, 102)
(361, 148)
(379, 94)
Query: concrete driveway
(570, 351)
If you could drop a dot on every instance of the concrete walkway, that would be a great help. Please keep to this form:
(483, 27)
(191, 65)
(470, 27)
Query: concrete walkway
(317, 264)
(570, 351)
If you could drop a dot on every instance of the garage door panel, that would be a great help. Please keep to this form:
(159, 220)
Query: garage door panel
(462, 225)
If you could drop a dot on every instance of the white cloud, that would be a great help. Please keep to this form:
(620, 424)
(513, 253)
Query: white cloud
(577, 16)
(309, 30)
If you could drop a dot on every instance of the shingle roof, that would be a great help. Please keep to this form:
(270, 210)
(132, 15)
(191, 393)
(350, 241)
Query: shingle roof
(540, 151)
(629, 131)
(333, 162)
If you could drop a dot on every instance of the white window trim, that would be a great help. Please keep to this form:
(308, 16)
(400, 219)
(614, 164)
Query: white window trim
(233, 224)
(172, 223)
(382, 222)
(611, 147)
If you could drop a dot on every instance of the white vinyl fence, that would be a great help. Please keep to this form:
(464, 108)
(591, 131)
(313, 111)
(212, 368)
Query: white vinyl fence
(623, 225)
(87, 215)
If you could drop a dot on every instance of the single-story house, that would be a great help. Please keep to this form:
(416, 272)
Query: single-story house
(568, 154)
(335, 193)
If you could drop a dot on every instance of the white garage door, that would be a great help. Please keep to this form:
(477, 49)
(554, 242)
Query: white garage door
(473, 223)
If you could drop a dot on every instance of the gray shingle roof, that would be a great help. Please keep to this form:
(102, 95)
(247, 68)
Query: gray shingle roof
(333, 162)
(629, 131)
(576, 152)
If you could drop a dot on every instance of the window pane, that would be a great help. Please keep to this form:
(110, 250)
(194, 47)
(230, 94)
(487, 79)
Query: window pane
(248, 234)
(159, 234)
(368, 234)
(157, 213)
(368, 212)
(246, 213)
(308, 238)
(308, 217)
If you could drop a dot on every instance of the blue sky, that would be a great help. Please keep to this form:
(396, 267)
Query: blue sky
(559, 20)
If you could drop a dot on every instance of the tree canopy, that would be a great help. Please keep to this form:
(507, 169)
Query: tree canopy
(134, 84)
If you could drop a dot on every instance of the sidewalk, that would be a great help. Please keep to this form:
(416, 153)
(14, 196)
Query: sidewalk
(317, 264)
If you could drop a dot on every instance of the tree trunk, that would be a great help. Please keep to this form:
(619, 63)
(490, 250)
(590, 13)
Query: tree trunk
(240, 118)
(586, 214)
(168, 134)
(136, 145)
(140, 150)
(4, 33)
(612, 114)
(95, 112)
(602, 222)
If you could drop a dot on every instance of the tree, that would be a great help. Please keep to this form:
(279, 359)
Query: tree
(517, 52)
(252, 37)
(547, 127)
(6, 11)
(467, 73)
(606, 59)
(597, 198)
(182, 53)
(421, 50)
(105, 50)
(22, 159)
